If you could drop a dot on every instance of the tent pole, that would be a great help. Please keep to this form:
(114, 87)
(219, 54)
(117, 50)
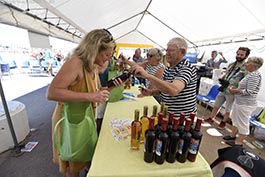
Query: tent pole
(9, 121)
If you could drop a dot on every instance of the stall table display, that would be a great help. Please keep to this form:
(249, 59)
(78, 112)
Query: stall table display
(113, 156)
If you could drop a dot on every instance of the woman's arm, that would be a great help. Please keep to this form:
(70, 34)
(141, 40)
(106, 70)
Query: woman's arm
(70, 73)
(131, 63)
(172, 88)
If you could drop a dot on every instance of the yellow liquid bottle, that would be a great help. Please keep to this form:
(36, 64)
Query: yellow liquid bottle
(136, 130)
(145, 123)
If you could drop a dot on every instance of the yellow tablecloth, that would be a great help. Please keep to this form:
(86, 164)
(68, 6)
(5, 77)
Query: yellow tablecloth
(114, 158)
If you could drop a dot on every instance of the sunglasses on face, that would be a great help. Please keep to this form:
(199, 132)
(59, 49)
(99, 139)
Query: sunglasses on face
(150, 55)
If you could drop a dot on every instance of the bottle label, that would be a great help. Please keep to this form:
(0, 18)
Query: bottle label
(159, 144)
(180, 146)
(194, 146)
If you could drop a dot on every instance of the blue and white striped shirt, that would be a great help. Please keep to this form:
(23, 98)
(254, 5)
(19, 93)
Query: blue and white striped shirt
(250, 86)
(185, 101)
(150, 69)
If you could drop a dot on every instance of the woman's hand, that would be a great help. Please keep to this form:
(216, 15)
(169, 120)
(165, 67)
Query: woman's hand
(123, 58)
(117, 83)
(233, 89)
(126, 60)
(101, 96)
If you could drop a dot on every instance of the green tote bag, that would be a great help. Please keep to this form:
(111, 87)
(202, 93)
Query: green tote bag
(78, 131)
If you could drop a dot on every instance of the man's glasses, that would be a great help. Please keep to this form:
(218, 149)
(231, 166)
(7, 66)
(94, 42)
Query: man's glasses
(170, 50)
(109, 37)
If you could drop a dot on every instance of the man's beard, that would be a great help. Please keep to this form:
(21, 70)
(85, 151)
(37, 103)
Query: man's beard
(238, 59)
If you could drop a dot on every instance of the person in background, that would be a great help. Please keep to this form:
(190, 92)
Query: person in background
(69, 84)
(245, 101)
(152, 65)
(177, 88)
(104, 74)
(235, 72)
(137, 58)
(40, 57)
(214, 62)
(49, 58)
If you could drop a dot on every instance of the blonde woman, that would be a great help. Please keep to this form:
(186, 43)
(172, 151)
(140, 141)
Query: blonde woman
(69, 84)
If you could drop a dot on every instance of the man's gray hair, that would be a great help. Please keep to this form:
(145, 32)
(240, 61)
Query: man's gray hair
(179, 42)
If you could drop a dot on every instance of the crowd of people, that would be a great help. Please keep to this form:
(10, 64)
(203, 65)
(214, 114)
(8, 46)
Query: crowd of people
(47, 58)
(235, 72)
(174, 84)
(43, 59)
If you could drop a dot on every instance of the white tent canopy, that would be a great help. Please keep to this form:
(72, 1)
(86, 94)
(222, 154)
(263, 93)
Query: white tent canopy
(206, 24)
(200, 22)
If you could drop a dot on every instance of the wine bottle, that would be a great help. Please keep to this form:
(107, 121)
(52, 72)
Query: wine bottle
(136, 130)
(195, 141)
(133, 80)
(181, 123)
(173, 142)
(192, 117)
(155, 114)
(149, 142)
(145, 123)
(158, 125)
(124, 76)
(161, 143)
(170, 122)
(165, 111)
(184, 143)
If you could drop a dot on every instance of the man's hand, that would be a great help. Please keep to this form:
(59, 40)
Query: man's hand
(138, 71)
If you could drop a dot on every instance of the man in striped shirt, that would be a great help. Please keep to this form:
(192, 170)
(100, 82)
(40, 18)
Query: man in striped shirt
(177, 88)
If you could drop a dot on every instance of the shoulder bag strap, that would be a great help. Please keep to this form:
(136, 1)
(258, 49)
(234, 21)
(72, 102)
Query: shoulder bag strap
(86, 80)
